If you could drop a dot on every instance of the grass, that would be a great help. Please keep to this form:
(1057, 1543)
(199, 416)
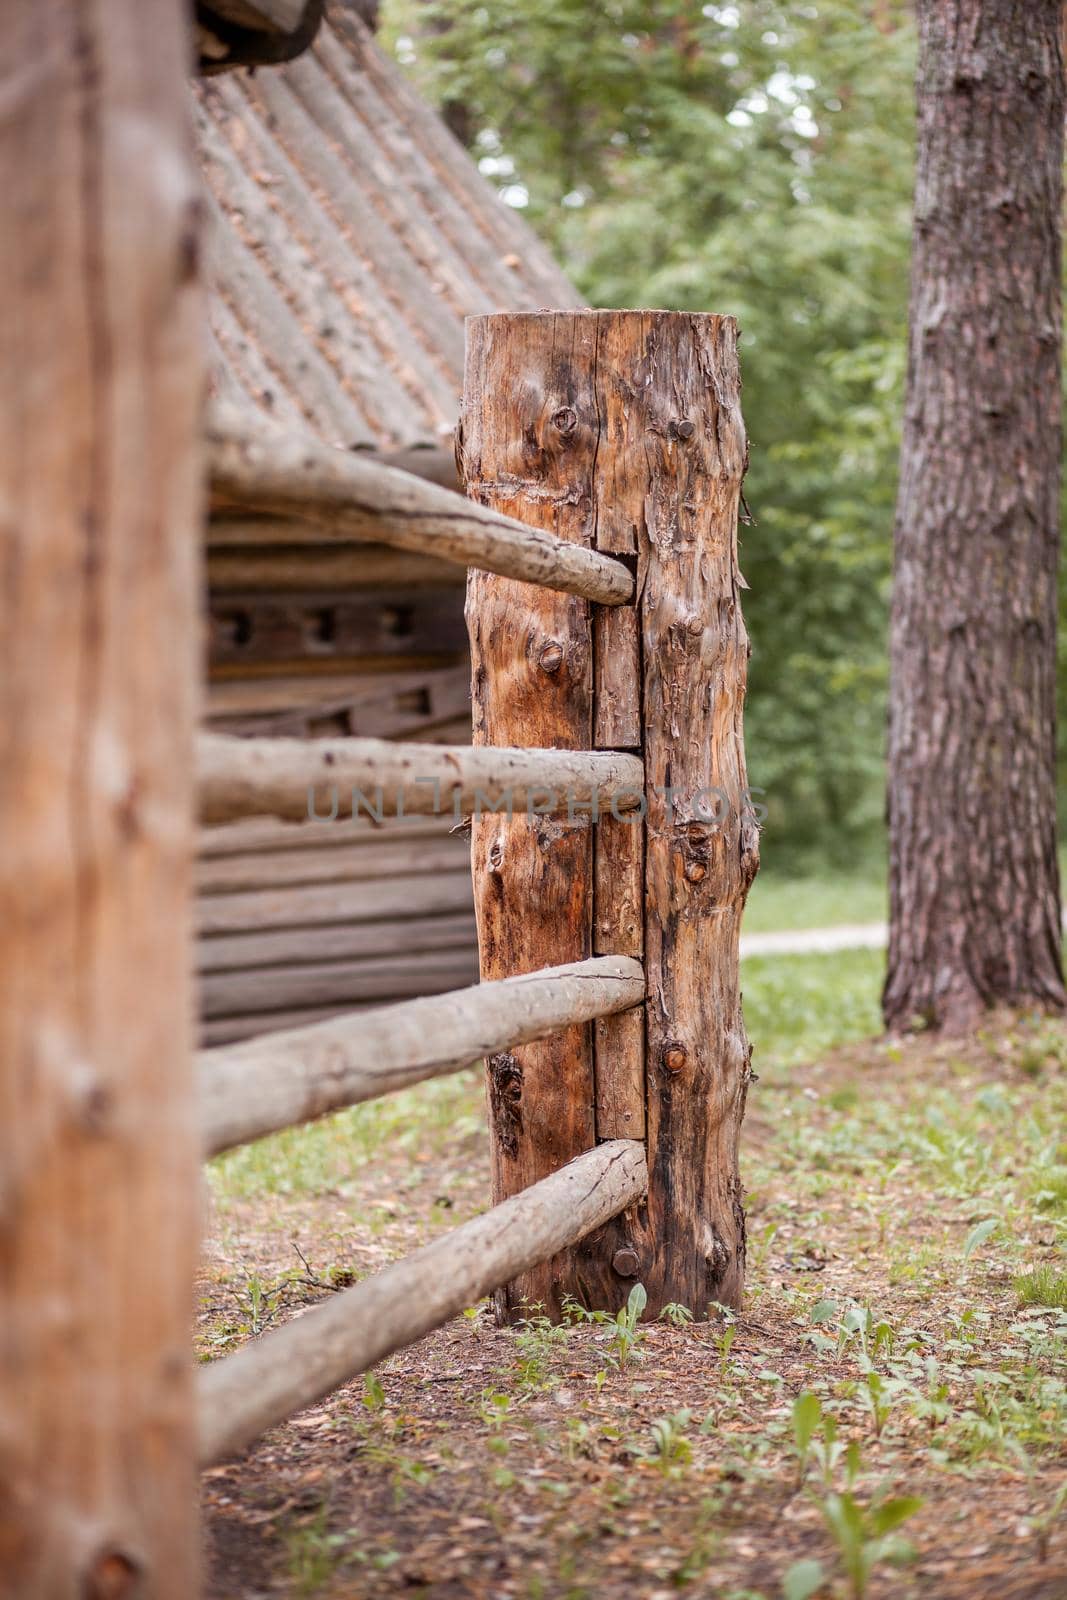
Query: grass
(781, 902)
(1045, 1286)
(796, 1007)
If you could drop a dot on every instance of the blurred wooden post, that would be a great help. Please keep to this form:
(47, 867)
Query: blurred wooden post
(621, 431)
(99, 493)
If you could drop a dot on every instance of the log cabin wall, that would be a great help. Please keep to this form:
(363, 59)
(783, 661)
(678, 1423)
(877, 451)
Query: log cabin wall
(350, 237)
(301, 921)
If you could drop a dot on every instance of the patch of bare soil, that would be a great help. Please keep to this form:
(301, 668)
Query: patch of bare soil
(488, 1462)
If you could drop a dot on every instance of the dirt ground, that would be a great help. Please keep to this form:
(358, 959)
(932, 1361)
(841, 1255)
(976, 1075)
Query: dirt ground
(906, 1218)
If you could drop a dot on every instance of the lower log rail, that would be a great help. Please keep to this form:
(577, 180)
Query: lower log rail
(265, 1382)
(294, 778)
(279, 1079)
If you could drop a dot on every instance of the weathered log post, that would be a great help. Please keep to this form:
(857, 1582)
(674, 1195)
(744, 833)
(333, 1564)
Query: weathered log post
(622, 431)
(99, 502)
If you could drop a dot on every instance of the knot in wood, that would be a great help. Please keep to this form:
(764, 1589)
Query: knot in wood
(565, 420)
(551, 657)
(682, 428)
(675, 1057)
(626, 1262)
(113, 1575)
(696, 871)
(505, 1100)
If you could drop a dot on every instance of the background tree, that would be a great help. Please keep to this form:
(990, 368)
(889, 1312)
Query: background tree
(753, 159)
(974, 886)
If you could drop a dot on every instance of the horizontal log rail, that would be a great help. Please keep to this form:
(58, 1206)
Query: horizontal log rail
(299, 778)
(275, 1080)
(295, 1365)
(256, 468)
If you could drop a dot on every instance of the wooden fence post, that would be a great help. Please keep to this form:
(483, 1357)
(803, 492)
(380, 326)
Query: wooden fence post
(621, 431)
(99, 402)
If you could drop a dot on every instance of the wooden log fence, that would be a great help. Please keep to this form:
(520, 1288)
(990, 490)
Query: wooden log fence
(293, 1366)
(278, 1079)
(603, 454)
(100, 397)
(256, 468)
(622, 432)
(316, 778)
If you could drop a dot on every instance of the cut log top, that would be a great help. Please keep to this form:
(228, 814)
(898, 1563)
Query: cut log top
(259, 469)
(295, 778)
(254, 1088)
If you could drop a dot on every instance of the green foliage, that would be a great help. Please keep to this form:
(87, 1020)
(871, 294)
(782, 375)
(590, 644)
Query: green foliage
(1045, 1286)
(807, 1414)
(625, 1337)
(753, 159)
(803, 1579)
(865, 1535)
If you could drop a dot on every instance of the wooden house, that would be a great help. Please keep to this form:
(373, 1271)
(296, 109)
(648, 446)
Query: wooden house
(351, 235)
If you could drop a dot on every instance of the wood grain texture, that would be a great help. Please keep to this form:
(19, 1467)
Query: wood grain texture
(283, 1078)
(257, 467)
(287, 778)
(338, 984)
(619, 848)
(527, 441)
(101, 335)
(291, 949)
(699, 866)
(295, 1365)
(622, 429)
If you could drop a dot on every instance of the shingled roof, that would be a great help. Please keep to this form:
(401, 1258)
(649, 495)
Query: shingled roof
(352, 235)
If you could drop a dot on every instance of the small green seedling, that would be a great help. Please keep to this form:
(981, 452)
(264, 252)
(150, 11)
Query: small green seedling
(373, 1393)
(670, 1448)
(866, 1536)
(803, 1579)
(807, 1414)
(677, 1315)
(626, 1336)
(880, 1395)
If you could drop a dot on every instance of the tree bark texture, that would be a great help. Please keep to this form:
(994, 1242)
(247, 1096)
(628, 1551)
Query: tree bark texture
(100, 505)
(974, 885)
(621, 431)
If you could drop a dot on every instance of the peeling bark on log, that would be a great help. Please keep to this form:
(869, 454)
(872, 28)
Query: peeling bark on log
(271, 1378)
(973, 875)
(100, 505)
(255, 467)
(284, 1078)
(623, 429)
(682, 391)
(272, 777)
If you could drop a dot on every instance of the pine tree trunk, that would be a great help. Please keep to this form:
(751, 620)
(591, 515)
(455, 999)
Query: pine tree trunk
(974, 886)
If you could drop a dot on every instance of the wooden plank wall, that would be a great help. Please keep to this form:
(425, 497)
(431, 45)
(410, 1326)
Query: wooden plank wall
(299, 922)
